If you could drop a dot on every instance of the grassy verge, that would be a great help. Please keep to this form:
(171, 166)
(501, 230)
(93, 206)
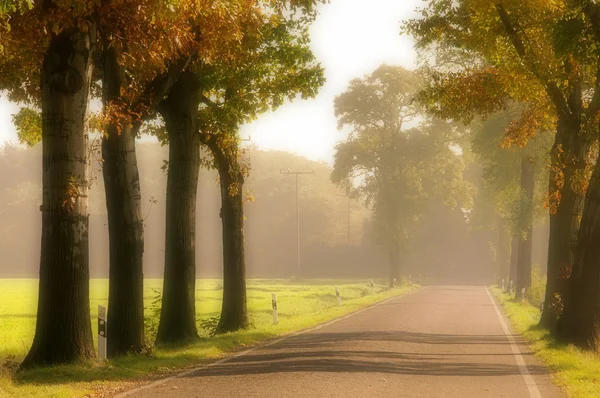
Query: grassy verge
(578, 372)
(301, 304)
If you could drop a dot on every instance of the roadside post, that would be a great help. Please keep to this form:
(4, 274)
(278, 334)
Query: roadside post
(510, 289)
(337, 294)
(503, 284)
(274, 305)
(522, 295)
(101, 333)
(372, 287)
(394, 282)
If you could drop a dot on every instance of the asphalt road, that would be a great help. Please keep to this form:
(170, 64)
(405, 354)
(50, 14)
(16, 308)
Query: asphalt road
(443, 341)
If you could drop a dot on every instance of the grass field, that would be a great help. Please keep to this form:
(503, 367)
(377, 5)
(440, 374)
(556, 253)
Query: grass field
(300, 305)
(578, 372)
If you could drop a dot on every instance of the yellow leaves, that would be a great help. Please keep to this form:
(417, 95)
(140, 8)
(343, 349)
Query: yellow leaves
(119, 114)
(248, 197)
(531, 122)
(73, 194)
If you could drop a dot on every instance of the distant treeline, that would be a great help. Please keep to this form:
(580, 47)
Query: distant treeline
(445, 245)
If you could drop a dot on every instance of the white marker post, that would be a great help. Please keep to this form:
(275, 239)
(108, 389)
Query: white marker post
(510, 289)
(274, 305)
(337, 293)
(372, 287)
(101, 333)
(394, 282)
(522, 295)
(503, 284)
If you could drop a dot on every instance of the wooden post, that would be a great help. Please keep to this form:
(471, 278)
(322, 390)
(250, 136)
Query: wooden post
(339, 299)
(101, 333)
(274, 305)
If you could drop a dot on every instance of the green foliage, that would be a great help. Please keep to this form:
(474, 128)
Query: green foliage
(28, 123)
(152, 320)
(500, 194)
(209, 325)
(396, 168)
(537, 290)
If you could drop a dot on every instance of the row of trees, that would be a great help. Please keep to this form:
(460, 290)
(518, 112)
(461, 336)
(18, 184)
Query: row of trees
(541, 58)
(207, 68)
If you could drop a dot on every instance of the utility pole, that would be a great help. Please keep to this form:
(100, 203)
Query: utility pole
(348, 196)
(297, 174)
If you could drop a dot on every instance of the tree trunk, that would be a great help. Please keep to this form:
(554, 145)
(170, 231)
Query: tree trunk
(526, 230)
(178, 311)
(503, 253)
(394, 266)
(580, 320)
(564, 222)
(234, 314)
(63, 330)
(514, 253)
(125, 323)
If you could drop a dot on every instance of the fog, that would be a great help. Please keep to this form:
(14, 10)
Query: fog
(446, 248)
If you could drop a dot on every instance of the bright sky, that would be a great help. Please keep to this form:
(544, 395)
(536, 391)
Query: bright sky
(351, 38)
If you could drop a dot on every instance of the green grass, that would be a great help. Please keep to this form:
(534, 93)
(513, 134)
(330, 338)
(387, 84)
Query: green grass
(301, 304)
(576, 371)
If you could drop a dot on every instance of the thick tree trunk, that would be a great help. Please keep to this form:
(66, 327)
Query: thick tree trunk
(125, 323)
(564, 222)
(580, 320)
(234, 314)
(526, 222)
(178, 311)
(63, 329)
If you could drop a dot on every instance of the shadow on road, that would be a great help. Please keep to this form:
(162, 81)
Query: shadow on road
(345, 366)
(328, 339)
(328, 352)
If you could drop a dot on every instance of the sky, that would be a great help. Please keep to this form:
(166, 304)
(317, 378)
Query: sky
(350, 38)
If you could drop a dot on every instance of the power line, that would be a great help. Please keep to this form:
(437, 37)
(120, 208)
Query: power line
(297, 174)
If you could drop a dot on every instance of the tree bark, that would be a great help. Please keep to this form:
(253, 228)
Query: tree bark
(394, 266)
(63, 330)
(234, 315)
(125, 323)
(514, 254)
(503, 253)
(564, 222)
(579, 323)
(178, 311)
(526, 230)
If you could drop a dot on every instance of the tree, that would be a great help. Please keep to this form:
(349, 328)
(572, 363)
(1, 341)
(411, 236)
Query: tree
(62, 63)
(511, 173)
(271, 64)
(534, 53)
(133, 87)
(395, 167)
(579, 322)
(143, 47)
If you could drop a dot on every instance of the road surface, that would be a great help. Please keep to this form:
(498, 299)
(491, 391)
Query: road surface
(442, 341)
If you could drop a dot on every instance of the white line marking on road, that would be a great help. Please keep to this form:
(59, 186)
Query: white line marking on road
(248, 351)
(529, 382)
